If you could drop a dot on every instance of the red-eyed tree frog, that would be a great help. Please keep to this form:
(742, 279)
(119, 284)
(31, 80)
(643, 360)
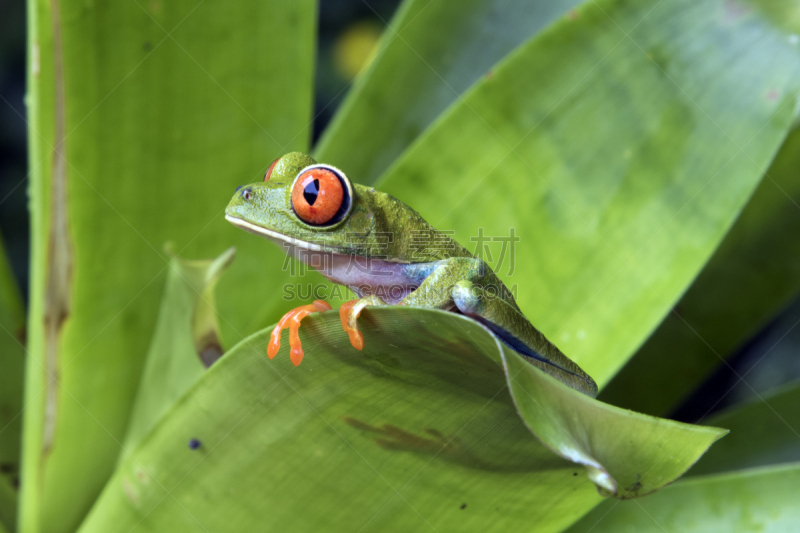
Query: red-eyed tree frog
(386, 254)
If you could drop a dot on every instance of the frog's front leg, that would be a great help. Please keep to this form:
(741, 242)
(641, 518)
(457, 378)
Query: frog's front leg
(435, 291)
(348, 313)
(291, 321)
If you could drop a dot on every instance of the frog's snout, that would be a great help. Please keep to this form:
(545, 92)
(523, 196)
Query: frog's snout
(241, 197)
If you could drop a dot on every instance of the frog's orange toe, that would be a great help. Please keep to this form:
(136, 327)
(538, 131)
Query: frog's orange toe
(274, 342)
(356, 339)
(291, 321)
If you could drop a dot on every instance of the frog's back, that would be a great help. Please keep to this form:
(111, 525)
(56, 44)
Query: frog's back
(413, 238)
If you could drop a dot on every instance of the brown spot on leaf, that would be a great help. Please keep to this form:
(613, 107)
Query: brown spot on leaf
(58, 288)
(452, 449)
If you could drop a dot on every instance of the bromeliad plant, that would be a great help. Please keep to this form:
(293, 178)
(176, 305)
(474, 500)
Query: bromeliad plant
(619, 140)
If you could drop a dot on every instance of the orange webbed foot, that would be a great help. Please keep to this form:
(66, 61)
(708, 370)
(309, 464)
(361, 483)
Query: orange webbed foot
(291, 321)
(356, 339)
(348, 313)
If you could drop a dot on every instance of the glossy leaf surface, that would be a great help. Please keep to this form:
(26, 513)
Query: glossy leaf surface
(417, 429)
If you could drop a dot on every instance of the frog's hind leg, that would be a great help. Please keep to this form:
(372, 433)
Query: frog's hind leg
(516, 331)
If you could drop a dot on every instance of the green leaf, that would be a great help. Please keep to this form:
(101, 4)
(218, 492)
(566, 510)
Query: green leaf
(762, 433)
(750, 501)
(619, 145)
(12, 364)
(626, 454)
(752, 276)
(176, 359)
(431, 52)
(418, 429)
(144, 117)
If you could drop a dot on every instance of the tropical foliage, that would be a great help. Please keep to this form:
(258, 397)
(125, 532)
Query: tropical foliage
(628, 168)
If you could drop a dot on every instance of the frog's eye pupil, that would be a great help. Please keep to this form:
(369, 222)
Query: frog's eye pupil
(247, 194)
(311, 191)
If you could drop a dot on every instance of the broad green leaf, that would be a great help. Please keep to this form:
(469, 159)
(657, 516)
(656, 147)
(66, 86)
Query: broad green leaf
(626, 454)
(760, 500)
(619, 145)
(764, 432)
(431, 52)
(752, 276)
(12, 364)
(418, 429)
(144, 117)
(179, 351)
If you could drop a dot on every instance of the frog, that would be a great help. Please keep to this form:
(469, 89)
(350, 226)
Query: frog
(386, 254)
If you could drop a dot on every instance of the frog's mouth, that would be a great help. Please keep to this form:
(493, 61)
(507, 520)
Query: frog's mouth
(280, 238)
(363, 275)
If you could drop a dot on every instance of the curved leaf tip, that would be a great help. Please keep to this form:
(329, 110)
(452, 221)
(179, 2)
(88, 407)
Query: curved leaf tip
(626, 454)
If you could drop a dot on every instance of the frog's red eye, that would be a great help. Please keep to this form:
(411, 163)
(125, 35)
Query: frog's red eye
(271, 168)
(320, 196)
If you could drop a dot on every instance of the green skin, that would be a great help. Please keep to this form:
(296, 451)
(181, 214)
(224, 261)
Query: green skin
(388, 254)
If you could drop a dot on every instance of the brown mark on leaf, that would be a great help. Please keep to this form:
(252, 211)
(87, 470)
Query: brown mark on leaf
(433, 442)
(59, 249)
(22, 335)
(572, 14)
(489, 74)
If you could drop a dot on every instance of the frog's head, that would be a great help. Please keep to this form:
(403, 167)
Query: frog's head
(303, 204)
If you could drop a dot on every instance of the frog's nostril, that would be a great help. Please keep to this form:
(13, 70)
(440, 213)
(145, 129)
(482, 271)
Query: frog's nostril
(247, 194)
